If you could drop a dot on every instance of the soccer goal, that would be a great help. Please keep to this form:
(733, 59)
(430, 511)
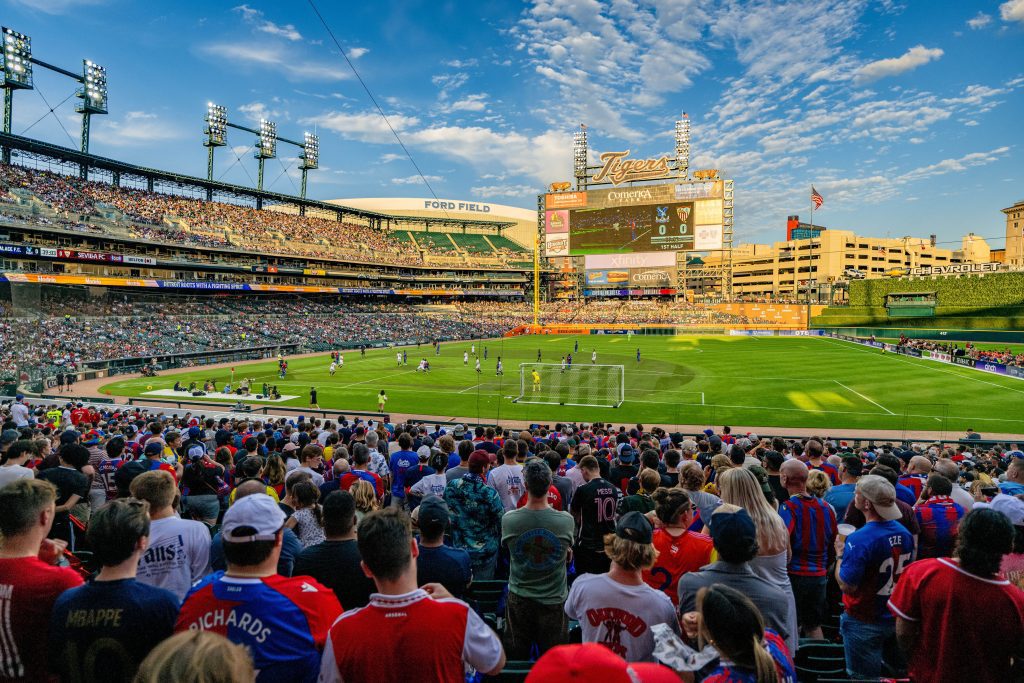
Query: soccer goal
(574, 385)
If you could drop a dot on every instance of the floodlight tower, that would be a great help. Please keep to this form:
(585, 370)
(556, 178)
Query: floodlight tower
(93, 95)
(216, 133)
(16, 74)
(309, 159)
(579, 157)
(266, 147)
(683, 146)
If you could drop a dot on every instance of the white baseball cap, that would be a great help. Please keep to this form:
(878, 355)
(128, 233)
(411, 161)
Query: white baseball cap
(257, 512)
(1011, 506)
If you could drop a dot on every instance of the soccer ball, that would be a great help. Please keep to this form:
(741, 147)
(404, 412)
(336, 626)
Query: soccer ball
(149, 387)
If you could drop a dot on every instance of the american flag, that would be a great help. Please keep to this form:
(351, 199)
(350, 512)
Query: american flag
(816, 198)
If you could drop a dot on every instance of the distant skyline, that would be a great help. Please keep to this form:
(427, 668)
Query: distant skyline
(906, 116)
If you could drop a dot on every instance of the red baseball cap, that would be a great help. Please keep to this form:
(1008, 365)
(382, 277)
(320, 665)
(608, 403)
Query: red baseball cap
(594, 662)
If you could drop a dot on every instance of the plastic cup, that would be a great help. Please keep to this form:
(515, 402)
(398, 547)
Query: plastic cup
(845, 530)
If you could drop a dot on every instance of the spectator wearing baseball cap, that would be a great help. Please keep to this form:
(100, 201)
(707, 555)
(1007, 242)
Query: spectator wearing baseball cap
(618, 609)
(476, 512)
(734, 534)
(282, 621)
(868, 562)
(624, 468)
(591, 662)
(538, 539)
(406, 632)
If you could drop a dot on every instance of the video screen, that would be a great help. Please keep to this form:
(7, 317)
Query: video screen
(628, 229)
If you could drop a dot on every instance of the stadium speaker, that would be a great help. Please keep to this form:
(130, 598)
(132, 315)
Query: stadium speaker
(199, 393)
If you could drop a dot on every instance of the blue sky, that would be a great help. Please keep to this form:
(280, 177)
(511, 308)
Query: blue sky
(906, 115)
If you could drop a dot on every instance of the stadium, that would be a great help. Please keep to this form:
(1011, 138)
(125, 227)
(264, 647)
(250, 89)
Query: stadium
(617, 326)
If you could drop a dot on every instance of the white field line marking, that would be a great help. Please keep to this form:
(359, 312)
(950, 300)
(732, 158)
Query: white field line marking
(893, 356)
(472, 387)
(863, 396)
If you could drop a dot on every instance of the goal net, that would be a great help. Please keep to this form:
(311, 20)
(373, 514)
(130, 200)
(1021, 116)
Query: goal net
(574, 385)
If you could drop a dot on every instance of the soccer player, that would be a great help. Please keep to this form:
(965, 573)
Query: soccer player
(568, 360)
(312, 398)
(472, 349)
(282, 621)
(341, 359)
(536, 380)
(500, 370)
(334, 367)
(382, 398)
(593, 357)
(478, 366)
(465, 357)
(398, 359)
(405, 357)
(563, 363)
(485, 353)
(638, 354)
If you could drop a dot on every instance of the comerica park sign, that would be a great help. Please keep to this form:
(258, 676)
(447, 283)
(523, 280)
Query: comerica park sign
(957, 268)
(617, 169)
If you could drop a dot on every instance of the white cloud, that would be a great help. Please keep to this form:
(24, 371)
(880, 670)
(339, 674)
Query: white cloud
(364, 126)
(488, 191)
(542, 157)
(135, 128)
(389, 157)
(1012, 10)
(416, 180)
(980, 21)
(476, 102)
(461, 63)
(357, 52)
(449, 81)
(274, 56)
(919, 55)
(254, 111)
(255, 17)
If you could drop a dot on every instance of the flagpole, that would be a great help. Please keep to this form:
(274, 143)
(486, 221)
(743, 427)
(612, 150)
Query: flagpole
(812, 207)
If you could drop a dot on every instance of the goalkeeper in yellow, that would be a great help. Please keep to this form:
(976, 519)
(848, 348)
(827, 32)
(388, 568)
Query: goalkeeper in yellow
(536, 380)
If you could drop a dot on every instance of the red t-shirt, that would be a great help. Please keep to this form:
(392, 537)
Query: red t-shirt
(677, 555)
(554, 499)
(28, 589)
(970, 627)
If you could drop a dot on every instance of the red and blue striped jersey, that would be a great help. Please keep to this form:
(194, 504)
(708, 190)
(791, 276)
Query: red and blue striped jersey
(828, 468)
(812, 529)
(282, 621)
(914, 482)
(939, 518)
(728, 672)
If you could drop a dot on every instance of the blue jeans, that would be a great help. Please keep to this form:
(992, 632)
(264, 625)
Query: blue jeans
(865, 644)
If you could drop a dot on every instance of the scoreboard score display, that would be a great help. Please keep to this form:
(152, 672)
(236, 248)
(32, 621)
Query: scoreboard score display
(654, 218)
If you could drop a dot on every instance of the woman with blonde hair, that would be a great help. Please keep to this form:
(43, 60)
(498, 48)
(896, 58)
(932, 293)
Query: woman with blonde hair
(733, 625)
(365, 498)
(741, 488)
(196, 657)
(818, 483)
(273, 473)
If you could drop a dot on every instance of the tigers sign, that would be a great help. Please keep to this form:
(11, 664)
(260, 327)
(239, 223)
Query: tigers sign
(617, 169)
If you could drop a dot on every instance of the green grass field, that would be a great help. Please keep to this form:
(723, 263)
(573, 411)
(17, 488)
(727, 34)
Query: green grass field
(712, 380)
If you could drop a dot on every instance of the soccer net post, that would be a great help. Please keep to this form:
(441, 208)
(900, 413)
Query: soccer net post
(572, 385)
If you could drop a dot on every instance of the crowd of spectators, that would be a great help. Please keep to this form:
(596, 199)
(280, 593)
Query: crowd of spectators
(288, 549)
(155, 216)
(1006, 356)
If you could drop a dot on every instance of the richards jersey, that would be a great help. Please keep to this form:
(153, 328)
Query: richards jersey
(282, 621)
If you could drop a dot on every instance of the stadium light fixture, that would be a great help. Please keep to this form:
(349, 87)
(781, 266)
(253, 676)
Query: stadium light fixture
(266, 144)
(216, 125)
(17, 60)
(579, 156)
(94, 88)
(683, 146)
(310, 151)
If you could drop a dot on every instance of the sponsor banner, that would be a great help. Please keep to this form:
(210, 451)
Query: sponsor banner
(565, 200)
(18, 250)
(652, 277)
(556, 222)
(314, 271)
(1015, 371)
(556, 245)
(997, 368)
(751, 333)
(48, 252)
(630, 196)
(802, 333)
(957, 268)
(908, 351)
(961, 360)
(653, 259)
(704, 190)
(707, 237)
(605, 292)
(609, 332)
(941, 356)
(193, 284)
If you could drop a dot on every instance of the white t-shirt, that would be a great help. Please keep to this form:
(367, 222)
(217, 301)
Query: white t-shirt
(318, 479)
(618, 616)
(9, 473)
(507, 480)
(19, 413)
(322, 437)
(430, 485)
(178, 555)
(962, 498)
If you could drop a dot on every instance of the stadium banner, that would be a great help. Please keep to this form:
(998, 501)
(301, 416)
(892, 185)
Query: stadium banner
(1015, 371)
(908, 351)
(647, 291)
(565, 200)
(93, 256)
(751, 333)
(655, 259)
(962, 360)
(556, 222)
(940, 356)
(801, 333)
(556, 245)
(18, 250)
(140, 260)
(708, 237)
(997, 368)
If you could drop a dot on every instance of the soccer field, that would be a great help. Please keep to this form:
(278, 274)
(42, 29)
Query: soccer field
(712, 380)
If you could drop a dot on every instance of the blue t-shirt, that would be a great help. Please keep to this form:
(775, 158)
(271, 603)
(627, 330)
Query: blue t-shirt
(448, 566)
(103, 630)
(1011, 488)
(400, 462)
(727, 672)
(874, 558)
(840, 498)
(906, 494)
